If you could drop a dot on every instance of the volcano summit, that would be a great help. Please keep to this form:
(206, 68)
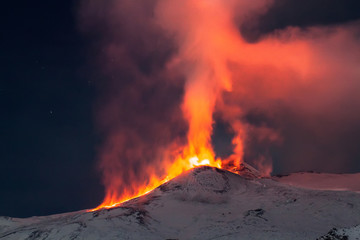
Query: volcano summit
(206, 203)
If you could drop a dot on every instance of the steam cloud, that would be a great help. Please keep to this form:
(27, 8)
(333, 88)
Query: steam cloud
(289, 97)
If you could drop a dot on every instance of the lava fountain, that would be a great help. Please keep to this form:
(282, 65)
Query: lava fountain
(295, 71)
(205, 50)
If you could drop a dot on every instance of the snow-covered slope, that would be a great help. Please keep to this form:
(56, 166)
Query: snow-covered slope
(322, 181)
(204, 203)
(342, 234)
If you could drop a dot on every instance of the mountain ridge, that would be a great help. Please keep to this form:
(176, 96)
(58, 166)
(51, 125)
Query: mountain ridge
(204, 203)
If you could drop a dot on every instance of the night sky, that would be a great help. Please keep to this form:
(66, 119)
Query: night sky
(47, 136)
(49, 90)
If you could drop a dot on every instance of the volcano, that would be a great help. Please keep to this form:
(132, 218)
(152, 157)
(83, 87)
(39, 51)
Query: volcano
(208, 203)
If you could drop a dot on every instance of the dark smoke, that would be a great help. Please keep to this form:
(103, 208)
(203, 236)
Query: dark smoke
(138, 110)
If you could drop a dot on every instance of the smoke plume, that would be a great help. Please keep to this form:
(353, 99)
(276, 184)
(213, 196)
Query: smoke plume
(288, 97)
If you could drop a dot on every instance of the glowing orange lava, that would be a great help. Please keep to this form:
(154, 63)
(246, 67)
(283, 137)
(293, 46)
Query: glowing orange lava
(303, 72)
(176, 169)
(207, 39)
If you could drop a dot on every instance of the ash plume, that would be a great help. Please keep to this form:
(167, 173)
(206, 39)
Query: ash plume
(289, 97)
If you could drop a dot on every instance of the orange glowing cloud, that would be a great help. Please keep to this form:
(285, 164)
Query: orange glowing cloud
(218, 71)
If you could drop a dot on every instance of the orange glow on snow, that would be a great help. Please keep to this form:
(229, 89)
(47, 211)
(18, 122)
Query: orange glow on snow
(176, 169)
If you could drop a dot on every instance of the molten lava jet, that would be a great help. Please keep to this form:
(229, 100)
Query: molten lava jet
(205, 50)
(223, 75)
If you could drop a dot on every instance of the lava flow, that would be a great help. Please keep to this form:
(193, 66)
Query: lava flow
(204, 49)
(176, 169)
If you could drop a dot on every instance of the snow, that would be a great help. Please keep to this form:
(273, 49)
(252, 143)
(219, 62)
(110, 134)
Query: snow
(352, 233)
(323, 181)
(206, 203)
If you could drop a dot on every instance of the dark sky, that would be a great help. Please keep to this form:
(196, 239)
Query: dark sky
(48, 137)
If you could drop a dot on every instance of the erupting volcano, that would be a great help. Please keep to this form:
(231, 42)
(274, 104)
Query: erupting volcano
(190, 119)
(222, 74)
(204, 51)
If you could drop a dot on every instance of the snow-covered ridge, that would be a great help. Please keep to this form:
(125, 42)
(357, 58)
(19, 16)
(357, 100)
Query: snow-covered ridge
(204, 203)
(322, 181)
